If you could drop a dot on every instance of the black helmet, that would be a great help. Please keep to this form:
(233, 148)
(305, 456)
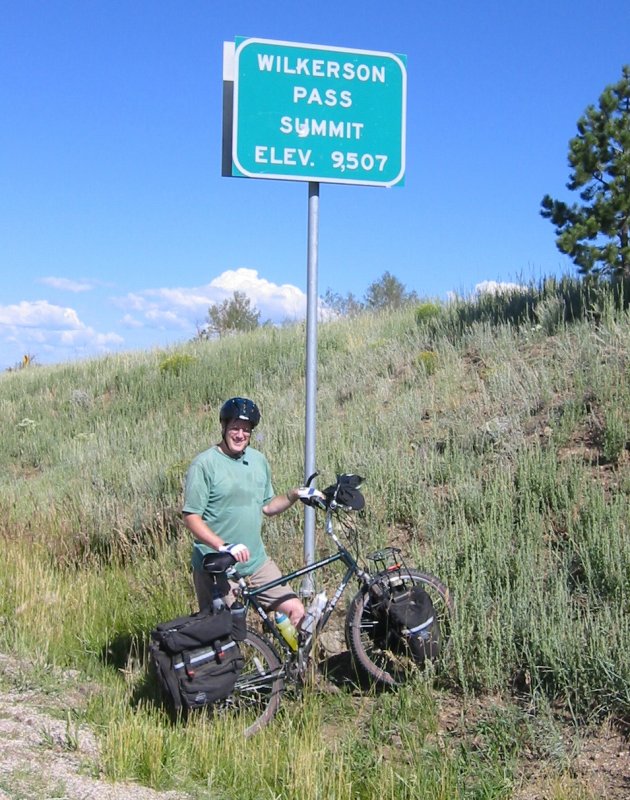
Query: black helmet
(239, 408)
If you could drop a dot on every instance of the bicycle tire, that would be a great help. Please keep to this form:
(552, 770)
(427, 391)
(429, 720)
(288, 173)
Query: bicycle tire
(368, 641)
(258, 690)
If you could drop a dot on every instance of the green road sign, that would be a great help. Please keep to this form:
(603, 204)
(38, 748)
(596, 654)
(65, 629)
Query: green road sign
(326, 114)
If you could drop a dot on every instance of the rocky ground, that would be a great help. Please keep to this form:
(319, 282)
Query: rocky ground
(44, 756)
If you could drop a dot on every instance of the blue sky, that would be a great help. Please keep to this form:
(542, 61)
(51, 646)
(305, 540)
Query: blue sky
(117, 230)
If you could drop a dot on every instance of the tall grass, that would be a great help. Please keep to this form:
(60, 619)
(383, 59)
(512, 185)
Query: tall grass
(500, 461)
(548, 304)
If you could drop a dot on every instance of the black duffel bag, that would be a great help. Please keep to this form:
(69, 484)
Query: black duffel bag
(413, 616)
(196, 659)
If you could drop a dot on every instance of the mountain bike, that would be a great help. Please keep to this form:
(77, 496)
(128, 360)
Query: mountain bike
(379, 649)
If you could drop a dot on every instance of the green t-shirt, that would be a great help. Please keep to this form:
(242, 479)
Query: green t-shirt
(228, 494)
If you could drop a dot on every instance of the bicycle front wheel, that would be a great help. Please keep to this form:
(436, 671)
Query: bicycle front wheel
(257, 693)
(373, 643)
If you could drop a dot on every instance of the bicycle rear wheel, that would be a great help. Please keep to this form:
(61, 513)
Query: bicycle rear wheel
(373, 643)
(257, 693)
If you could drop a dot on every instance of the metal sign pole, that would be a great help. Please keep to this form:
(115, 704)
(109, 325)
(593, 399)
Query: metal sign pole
(311, 374)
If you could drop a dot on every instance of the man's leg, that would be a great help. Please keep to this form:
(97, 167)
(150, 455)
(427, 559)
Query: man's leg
(280, 598)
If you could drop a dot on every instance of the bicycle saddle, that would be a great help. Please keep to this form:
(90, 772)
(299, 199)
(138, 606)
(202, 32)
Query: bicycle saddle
(215, 563)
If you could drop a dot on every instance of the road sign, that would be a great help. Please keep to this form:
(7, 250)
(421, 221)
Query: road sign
(324, 114)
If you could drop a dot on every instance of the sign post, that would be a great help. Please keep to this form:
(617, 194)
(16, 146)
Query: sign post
(311, 373)
(305, 112)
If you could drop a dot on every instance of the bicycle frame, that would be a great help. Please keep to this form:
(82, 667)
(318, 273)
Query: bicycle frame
(352, 568)
(371, 640)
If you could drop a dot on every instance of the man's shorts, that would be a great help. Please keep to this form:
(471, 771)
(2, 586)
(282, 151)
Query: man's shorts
(269, 599)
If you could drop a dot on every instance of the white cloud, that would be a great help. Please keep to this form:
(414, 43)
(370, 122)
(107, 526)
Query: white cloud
(181, 298)
(164, 319)
(274, 302)
(131, 322)
(38, 314)
(183, 308)
(496, 287)
(132, 301)
(67, 285)
(54, 330)
(487, 287)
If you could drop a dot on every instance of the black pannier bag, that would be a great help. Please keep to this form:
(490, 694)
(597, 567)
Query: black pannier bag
(413, 616)
(196, 659)
(194, 630)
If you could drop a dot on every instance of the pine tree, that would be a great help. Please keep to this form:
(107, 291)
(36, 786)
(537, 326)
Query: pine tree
(596, 233)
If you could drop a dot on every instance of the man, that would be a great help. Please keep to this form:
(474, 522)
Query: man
(227, 488)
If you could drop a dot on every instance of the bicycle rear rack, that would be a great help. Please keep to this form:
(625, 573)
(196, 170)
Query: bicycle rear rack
(389, 564)
(387, 559)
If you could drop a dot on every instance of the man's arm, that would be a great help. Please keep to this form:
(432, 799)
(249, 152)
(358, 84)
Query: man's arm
(280, 503)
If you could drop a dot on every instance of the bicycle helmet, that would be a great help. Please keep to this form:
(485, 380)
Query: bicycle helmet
(239, 408)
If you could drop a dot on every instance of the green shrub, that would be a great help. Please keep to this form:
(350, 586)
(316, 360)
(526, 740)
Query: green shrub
(176, 363)
(615, 436)
(426, 312)
(428, 361)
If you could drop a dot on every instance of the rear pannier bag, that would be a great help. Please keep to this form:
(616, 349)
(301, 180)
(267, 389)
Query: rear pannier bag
(196, 660)
(195, 630)
(413, 616)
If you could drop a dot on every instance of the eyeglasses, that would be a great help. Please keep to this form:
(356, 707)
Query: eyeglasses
(243, 427)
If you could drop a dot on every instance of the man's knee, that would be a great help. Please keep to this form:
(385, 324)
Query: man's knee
(293, 608)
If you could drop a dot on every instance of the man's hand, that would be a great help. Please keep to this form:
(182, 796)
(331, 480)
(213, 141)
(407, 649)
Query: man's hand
(239, 551)
(311, 496)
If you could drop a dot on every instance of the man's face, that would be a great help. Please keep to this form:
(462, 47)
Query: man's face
(237, 435)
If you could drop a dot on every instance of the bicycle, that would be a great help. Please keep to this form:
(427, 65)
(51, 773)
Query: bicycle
(376, 646)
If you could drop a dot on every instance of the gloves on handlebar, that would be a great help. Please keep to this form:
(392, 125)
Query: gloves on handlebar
(311, 496)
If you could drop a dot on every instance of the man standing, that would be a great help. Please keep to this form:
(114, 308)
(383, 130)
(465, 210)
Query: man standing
(228, 489)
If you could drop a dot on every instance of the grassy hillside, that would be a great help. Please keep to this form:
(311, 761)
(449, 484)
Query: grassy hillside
(494, 439)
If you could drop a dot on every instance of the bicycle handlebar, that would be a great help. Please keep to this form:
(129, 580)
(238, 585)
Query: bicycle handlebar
(311, 478)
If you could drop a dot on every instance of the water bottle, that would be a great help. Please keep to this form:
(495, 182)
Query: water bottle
(314, 612)
(286, 628)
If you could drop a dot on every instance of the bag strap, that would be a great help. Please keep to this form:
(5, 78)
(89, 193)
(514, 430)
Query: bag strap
(216, 653)
(188, 667)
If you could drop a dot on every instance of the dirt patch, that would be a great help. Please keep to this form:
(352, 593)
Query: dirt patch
(576, 764)
(604, 761)
(44, 756)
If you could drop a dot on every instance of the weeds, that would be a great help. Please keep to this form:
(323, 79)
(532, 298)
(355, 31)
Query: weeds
(495, 454)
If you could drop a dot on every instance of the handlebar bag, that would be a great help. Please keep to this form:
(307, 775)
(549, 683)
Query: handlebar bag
(413, 616)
